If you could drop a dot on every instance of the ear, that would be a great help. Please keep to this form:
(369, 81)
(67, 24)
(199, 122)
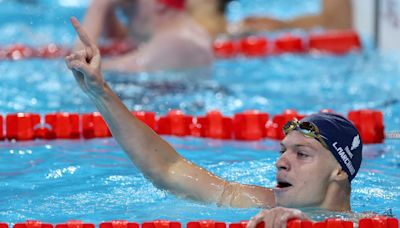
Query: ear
(339, 175)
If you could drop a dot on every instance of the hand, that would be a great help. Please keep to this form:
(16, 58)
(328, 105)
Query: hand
(276, 217)
(85, 63)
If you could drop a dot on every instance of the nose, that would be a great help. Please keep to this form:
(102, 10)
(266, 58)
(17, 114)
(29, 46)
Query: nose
(283, 162)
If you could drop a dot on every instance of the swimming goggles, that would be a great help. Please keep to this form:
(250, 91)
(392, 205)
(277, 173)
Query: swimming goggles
(308, 129)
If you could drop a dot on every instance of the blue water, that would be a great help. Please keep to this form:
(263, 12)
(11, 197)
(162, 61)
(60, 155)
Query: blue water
(55, 181)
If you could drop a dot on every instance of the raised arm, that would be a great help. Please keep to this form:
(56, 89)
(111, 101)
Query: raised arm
(335, 14)
(148, 151)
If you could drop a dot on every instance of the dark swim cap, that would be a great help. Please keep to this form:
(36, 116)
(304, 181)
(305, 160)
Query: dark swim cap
(342, 138)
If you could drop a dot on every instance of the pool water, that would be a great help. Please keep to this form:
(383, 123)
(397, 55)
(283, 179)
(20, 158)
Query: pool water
(94, 181)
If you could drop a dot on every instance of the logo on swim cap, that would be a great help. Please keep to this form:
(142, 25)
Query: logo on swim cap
(356, 142)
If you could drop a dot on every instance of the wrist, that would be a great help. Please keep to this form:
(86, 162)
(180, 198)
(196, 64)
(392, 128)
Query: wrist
(101, 92)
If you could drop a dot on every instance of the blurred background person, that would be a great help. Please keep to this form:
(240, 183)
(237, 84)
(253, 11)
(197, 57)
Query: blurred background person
(210, 14)
(166, 36)
(334, 15)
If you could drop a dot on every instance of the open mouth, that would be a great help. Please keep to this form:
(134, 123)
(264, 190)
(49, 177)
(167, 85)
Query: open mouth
(283, 184)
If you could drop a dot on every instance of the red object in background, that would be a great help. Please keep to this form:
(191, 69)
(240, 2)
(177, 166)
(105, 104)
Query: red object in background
(1, 128)
(94, 126)
(378, 222)
(75, 224)
(225, 48)
(250, 125)
(297, 223)
(274, 128)
(215, 125)
(117, 47)
(253, 46)
(206, 224)
(21, 126)
(51, 51)
(161, 224)
(149, 118)
(243, 224)
(288, 44)
(119, 224)
(3, 225)
(18, 51)
(64, 125)
(336, 223)
(370, 125)
(33, 224)
(174, 123)
(335, 42)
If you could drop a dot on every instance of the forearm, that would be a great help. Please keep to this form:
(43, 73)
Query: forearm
(155, 157)
(148, 151)
(304, 22)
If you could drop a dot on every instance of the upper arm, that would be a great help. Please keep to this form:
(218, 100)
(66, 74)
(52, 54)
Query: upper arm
(192, 181)
(240, 195)
(337, 14)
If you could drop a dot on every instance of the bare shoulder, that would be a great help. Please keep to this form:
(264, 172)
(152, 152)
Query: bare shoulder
(178, 51)
(241, 195)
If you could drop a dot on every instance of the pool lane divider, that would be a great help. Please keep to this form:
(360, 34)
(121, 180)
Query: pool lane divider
(254, 46)
(370, 222)
(250, 125)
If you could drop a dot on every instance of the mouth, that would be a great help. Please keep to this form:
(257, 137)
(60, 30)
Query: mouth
(283, 184)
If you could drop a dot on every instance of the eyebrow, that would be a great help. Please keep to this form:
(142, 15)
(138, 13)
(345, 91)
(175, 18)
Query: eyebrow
(299, 145)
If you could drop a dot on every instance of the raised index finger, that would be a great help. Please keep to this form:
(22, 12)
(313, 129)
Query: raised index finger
(83, 36)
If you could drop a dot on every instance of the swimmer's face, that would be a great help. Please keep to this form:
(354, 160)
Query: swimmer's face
(305, 169)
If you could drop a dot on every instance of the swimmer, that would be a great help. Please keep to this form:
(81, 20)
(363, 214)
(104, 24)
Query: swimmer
(167, 37)
(335, 15)
(210, 14)
(320, 155)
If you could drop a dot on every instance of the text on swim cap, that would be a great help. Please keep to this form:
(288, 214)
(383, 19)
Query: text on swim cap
(344, 157)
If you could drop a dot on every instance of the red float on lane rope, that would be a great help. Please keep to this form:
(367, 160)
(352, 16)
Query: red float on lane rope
(75, 224)
(335, 42)
(288, 44)
(253, 46)
(250, 125)
(174, 123)
(94, 126)
(19, 51)
(225, 49)
(1, 129)
(370, 125)
(243, 224)
(33, 224)
(21, 126)
(51, 51)
(63, 125)
(215, 126)
(119, 224)
(206, 224)
(161, 224)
